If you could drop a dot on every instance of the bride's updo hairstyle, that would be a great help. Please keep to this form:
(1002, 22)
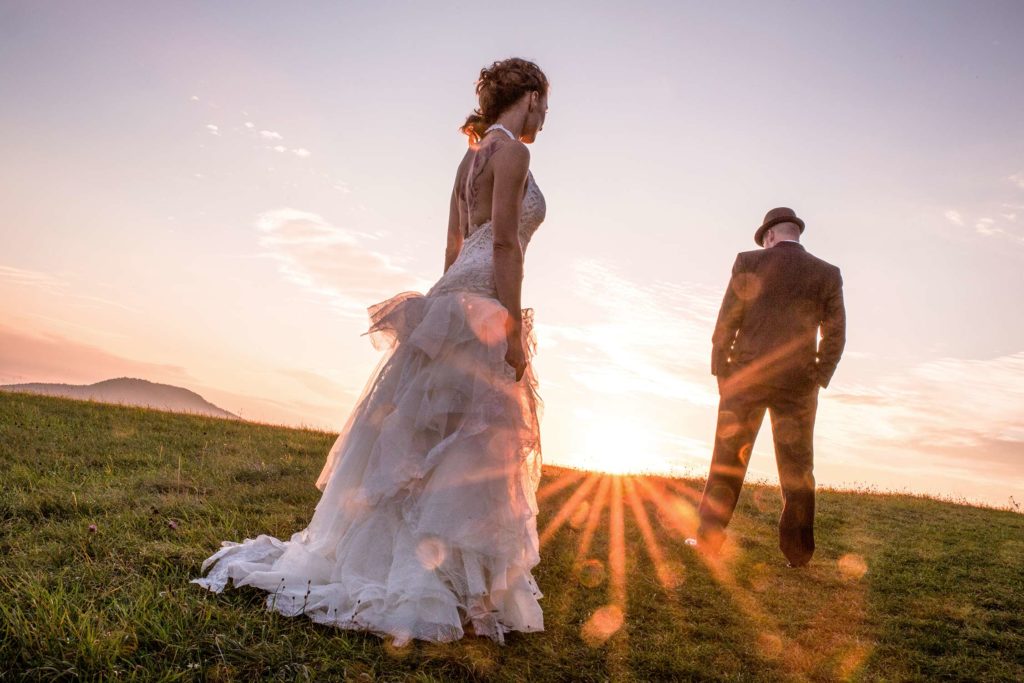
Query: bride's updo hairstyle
(499, 87)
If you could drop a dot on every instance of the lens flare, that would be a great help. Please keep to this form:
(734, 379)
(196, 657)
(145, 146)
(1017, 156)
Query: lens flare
(852, 566)
(591, 573)
(602, 625)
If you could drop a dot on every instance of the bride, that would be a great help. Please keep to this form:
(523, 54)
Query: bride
(426, 527)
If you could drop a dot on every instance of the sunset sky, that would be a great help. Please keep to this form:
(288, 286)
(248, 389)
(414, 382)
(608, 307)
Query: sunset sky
(211, 194)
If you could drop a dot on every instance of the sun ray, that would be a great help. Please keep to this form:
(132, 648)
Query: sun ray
(618, 652)
(749, 374)
(606, 624)
(564, 481)
(668, 576)
(594, 518)
(617, 546)
(564, 512)
(587, 573)
(676, 505)
(677, 514)
(690, 493)
(680, 517)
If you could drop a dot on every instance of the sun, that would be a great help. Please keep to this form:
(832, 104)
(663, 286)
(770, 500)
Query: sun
(617, 446)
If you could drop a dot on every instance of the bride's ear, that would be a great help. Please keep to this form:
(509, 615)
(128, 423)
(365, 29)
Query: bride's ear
(534, 96)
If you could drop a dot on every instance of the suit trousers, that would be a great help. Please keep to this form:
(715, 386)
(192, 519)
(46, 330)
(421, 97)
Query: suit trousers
(740, 413)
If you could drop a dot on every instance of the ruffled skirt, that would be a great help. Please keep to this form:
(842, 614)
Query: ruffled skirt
(427, 522)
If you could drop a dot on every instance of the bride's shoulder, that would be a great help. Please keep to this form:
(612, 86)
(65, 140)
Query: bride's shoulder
(499, 156)
(463, 169)
(467, 158)
(513, 156)
(514, 148)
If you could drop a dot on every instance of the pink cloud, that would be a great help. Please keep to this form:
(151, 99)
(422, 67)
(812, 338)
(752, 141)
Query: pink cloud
(53, 358)
(331, 261)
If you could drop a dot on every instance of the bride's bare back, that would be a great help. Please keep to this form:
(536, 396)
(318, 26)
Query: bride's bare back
(473, 194)
(489, 186)
(478, 182)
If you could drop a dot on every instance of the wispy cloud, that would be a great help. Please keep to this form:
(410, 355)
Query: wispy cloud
(32, 278)
(54, 358)
(331, 261)
(54, 285)
(953, 408)
(994, 220)
(989, 395)
(249, 129)
(647, 339)
(318, 383)
(987, 226)
(299, 152)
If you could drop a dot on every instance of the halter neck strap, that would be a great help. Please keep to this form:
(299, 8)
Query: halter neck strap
(503, 129)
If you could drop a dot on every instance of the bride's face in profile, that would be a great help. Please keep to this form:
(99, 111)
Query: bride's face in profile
(537, 111)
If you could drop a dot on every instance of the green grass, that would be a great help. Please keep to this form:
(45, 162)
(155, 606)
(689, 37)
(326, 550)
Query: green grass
(901, 588)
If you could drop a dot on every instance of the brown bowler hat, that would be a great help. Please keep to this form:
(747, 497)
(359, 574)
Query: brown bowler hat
(774, 217)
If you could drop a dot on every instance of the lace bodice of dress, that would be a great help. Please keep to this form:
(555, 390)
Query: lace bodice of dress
(473, 270)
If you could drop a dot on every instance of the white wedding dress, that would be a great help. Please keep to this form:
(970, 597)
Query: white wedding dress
(427, 522)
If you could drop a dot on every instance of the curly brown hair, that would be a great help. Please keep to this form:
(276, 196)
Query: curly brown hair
(500, 86)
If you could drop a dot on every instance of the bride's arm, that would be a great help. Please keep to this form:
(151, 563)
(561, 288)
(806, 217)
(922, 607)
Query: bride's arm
(456, 227)
(458, 215)
(510, 167)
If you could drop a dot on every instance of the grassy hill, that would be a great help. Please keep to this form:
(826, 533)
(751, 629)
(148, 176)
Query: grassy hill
(902, 587)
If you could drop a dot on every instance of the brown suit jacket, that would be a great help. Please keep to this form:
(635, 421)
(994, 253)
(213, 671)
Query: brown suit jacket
(767, 329)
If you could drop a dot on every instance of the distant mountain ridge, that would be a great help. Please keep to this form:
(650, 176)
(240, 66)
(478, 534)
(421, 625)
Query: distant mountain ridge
(129, 391)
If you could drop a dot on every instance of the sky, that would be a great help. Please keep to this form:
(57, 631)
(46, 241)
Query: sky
(211, 194)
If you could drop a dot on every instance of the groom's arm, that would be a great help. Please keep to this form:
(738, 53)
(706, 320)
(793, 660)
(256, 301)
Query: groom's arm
(730, 315)
(833, 331)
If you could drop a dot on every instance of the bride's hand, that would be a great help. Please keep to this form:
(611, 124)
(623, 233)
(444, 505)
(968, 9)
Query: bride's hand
(516, 354)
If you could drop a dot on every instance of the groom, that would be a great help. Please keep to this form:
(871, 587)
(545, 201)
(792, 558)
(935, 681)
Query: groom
(766, 356)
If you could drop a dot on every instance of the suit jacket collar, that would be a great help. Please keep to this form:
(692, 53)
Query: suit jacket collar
(787, 244)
